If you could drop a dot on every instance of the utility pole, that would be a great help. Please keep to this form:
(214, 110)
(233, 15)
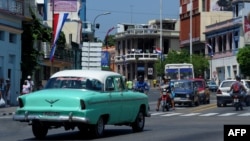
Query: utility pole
(190, 34)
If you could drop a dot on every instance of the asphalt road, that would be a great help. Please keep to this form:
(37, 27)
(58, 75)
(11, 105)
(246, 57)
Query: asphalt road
(201, 123)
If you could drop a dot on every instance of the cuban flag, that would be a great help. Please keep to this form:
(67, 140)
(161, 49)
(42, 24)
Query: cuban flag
(211, 48)
(58, 22)
(158, 50)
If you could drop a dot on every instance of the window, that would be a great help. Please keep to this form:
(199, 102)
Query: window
(110, 84)
(2, 35)
(12, 38)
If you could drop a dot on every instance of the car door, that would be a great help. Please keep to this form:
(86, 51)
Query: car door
(115, 99)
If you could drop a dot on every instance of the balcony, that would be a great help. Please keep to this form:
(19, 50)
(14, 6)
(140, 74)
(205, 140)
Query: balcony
(147, 32)
(132, 57)
(19, 8)
(12, 6)
(62, 57)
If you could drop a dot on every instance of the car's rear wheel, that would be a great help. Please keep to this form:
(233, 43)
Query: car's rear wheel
(97, 130)
(247, 101)
(138, 124)
(39, 130)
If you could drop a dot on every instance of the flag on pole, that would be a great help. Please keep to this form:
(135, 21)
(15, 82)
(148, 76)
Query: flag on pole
(211, 48)
(58, 22)
(158, 50)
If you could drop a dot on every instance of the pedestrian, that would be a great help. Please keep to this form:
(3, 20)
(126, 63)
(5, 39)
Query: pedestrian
(31, 83)
(7, 92)
(129, 84)
(25, 88)
(1, 86)
(154, 82)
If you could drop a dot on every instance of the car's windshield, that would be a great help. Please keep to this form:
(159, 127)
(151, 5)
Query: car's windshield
(211, 83)
(74, 83)
(182, 84)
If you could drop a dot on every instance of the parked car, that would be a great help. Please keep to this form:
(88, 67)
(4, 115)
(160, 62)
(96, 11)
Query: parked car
(186, 92)
(86, 99)
(203, 90)
(223, 93)
(212, 85)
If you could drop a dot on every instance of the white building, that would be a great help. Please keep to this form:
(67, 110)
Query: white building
(226, 38)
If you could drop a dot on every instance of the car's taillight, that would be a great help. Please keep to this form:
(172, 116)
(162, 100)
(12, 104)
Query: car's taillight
(218, 91)
(83, 106)
(20, 102)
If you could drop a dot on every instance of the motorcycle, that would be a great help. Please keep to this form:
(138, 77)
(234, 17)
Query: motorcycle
(165, 101)
(237, 102)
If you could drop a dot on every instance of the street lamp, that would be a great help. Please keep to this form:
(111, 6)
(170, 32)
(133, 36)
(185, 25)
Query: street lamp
(106, 13)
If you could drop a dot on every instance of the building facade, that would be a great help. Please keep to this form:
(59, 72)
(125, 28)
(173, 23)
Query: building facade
(204, 12)
(136, 46)
(225, 39)
(12, 13)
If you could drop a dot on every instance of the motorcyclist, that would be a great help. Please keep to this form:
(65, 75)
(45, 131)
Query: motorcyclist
(141, 85)
(241, 89)
(165, 85)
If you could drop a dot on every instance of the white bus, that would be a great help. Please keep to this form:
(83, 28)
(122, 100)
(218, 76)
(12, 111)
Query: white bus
(179, 71)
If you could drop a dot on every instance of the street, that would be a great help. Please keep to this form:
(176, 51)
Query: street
(201, 123)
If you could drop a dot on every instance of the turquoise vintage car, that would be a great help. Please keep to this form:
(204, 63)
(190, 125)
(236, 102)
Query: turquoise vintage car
(86, 99)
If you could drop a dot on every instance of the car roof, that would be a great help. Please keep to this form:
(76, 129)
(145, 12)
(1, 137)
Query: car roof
(94, 74)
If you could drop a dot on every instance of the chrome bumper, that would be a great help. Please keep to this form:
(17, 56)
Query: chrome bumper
(69, 118)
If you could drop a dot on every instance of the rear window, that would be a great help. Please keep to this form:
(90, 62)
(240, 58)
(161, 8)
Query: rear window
(227, 83)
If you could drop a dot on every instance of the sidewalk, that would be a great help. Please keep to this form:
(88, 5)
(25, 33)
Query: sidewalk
(7, 110)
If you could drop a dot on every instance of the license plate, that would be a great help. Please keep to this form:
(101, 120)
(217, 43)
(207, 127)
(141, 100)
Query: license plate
(177, 98)
(236, 100)
(51, 114)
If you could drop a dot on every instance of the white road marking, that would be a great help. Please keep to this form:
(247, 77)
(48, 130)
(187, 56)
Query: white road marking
(191, 114)
(245, 114)
(171, 114)
(209, 114)
(227, 114)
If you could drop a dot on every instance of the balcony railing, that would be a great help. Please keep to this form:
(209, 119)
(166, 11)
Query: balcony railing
(19, 8)
(147, 31)
(137, 56)
(12, 6)
(60, 54)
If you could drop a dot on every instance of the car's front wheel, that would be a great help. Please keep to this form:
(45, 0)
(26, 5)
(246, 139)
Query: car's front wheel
(39, 130)
(138, 124)
(97, 130)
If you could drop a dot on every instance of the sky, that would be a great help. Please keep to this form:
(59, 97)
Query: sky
(128, 11)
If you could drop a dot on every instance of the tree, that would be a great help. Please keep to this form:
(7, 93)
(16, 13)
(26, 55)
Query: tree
(244, 60)
(226, 5)
(109, 40)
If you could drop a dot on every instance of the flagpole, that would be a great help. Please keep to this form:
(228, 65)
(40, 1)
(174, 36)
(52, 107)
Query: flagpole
(52, 39)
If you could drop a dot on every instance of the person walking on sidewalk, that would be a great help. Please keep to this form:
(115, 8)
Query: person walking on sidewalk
(7, 92)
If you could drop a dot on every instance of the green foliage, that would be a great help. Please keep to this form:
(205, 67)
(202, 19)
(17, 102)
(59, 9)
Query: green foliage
(244, 60)
(110, 40)
(199, 62)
